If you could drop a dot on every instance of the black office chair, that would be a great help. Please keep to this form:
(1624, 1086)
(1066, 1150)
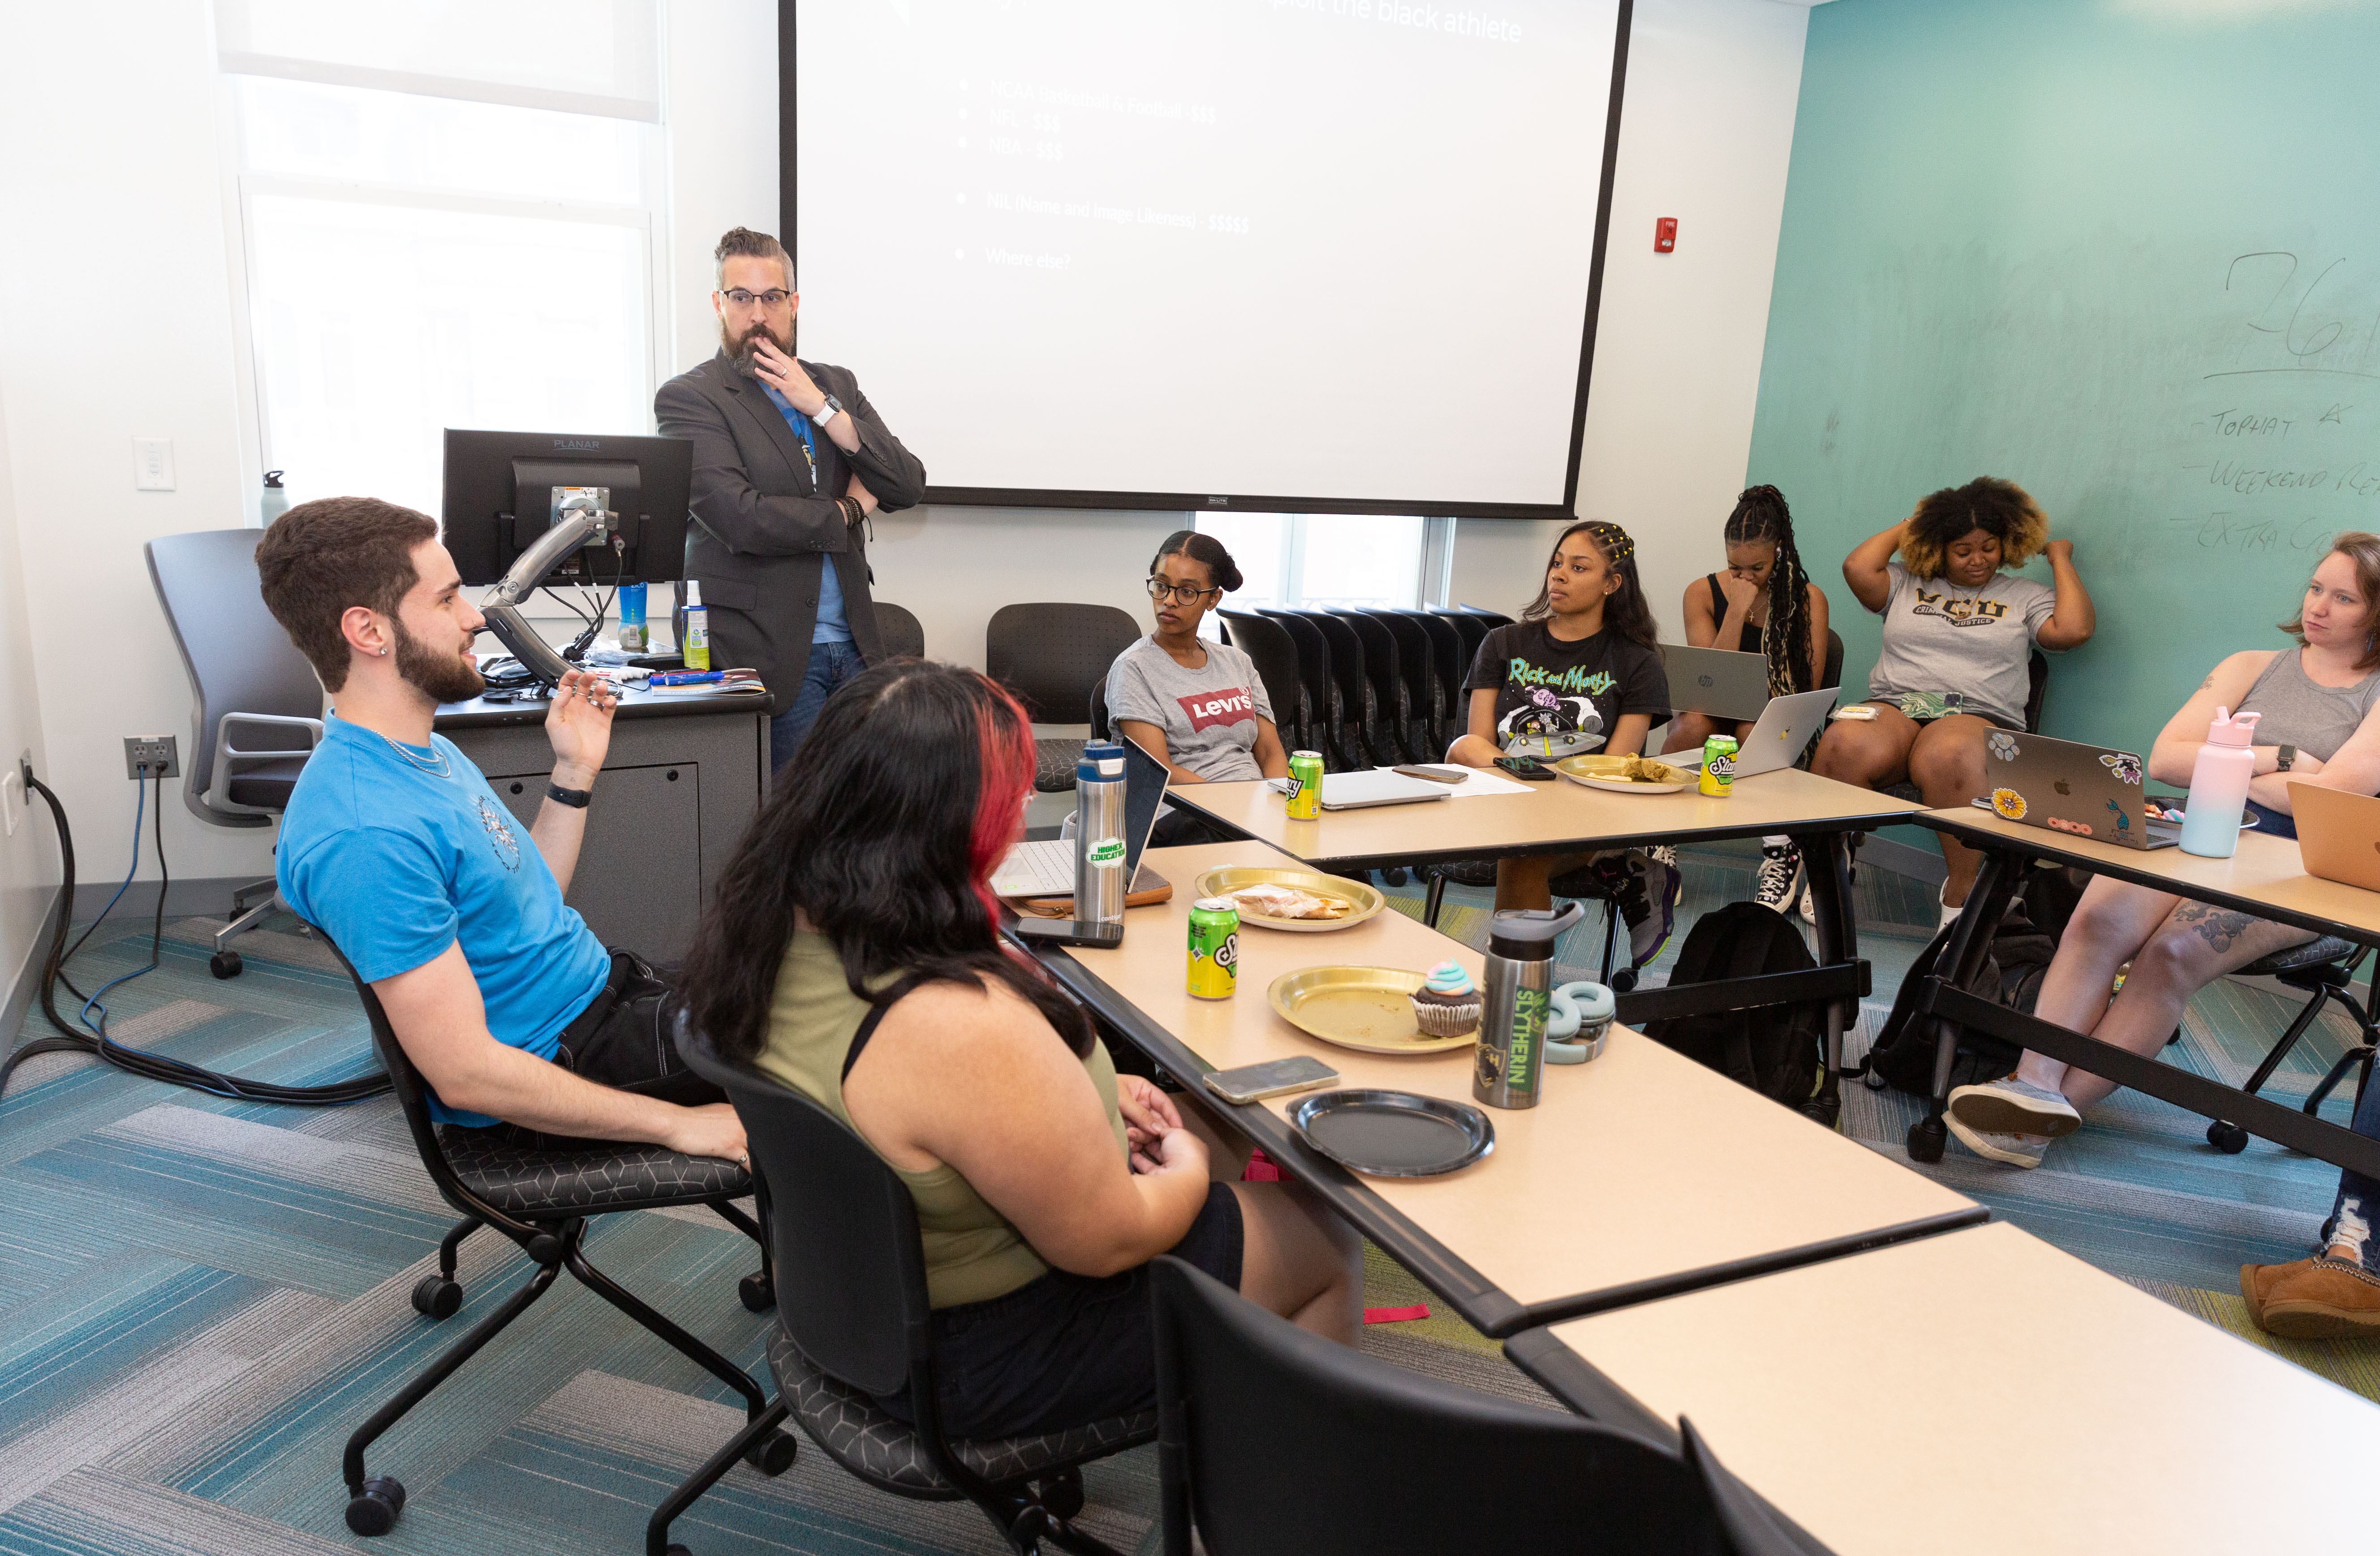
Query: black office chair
(904, 634)
(256, 709)
(1277, 1440)
(1834, 675)
(1393, 707)
(1270, 648)
(1416, 665)
(1368, 743)
(853, 1324)
(1341, 747)
(1450, 665)
(1050, 654)
(1471, 627)
(2324, 968)
(541, 1200)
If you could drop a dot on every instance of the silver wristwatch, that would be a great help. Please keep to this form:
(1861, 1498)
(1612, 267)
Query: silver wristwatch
(828, 412)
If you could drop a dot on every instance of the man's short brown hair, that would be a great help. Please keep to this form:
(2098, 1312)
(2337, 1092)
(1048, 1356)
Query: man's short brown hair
(321, 557)
(743, 242)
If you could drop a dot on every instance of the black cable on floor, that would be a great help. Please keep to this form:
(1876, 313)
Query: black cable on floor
(94, 1039)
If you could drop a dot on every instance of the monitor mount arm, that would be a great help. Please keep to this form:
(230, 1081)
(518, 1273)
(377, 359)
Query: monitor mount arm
(579, 522)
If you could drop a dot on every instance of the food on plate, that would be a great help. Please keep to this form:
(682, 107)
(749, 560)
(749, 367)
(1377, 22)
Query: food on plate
(1271, 901)
(1448, 1003)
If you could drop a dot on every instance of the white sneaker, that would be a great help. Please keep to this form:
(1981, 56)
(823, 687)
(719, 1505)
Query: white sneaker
(2009, 1106)
(1949, 914)
(1779, 879)
(2017, 1150)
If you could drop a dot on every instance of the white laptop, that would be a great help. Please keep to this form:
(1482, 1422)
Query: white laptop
(1357, 791)
(1786, 726)
(1046, 869)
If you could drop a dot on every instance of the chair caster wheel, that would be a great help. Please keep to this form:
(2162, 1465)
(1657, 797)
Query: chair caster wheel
(1927, 1139)
(2228, 1138)
(758, 1293)
(435, 1296)
(773, 1455)
(1393, 877)
(1623, 980)
(224, 964)
(1873, 1081)
(1062, 1494)
(374, 1511)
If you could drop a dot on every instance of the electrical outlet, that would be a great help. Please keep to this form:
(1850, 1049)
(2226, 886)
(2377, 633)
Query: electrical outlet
(152, 753)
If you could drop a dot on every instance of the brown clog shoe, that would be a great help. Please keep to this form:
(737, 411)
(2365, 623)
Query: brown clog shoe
(2256, 1282)
(2325, 1299)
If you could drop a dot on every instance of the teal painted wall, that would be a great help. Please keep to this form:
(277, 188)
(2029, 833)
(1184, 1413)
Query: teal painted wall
(2123, 253)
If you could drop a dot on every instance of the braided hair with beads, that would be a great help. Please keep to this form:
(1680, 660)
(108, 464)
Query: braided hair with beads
(1761, 515)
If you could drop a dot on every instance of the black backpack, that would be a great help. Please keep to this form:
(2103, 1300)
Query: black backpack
(1777, 1052)
(2011, 976)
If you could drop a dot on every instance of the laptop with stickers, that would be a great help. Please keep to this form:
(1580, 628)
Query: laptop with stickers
(2066, 786)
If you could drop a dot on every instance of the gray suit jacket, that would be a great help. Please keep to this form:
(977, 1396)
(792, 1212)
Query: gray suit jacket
(762, 534)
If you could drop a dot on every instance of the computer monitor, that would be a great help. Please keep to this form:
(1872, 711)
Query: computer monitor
(504, 490)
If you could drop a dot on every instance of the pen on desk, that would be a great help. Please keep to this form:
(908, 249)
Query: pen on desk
(687, 678)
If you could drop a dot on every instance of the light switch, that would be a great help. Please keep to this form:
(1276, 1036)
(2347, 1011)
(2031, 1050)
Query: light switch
(152, 464)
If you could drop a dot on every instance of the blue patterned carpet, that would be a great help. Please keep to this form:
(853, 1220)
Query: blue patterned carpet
(199, 1299)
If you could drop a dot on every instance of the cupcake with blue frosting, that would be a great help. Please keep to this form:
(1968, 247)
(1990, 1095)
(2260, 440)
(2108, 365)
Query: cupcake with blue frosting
(1448, 1003)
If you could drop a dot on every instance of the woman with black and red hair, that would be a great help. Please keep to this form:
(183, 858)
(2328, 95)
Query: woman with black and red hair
(852, 953)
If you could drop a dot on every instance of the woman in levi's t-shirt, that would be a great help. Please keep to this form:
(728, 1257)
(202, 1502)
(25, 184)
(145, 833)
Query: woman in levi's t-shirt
(1195, 705)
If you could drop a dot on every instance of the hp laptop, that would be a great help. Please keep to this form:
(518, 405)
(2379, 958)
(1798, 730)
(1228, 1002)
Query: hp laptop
(2060, 785)
(1046, 869)
(1720, 683)
(1786, 726)
(2339, 834)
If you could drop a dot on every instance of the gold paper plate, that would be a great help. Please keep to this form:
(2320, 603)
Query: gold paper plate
(1363, 901)
(1597, 772)
(1367, 1009)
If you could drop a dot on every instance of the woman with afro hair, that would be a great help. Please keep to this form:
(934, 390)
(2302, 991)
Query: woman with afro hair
(1959, 633)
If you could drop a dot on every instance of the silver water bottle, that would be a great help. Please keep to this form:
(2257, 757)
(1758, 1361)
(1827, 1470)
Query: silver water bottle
(1098, 833)
(1518, 997)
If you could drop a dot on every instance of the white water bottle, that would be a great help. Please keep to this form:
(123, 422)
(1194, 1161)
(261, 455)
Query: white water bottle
(275, 503)
(2218, 786)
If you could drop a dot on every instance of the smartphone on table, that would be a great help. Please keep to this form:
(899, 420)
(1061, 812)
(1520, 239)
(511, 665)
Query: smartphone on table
(1069, 932)
(1525, 767)
(1274, 1078)
(1434, 773)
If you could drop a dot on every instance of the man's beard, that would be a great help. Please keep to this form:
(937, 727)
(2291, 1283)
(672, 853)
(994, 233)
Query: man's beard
(440, 677)
(740, 347)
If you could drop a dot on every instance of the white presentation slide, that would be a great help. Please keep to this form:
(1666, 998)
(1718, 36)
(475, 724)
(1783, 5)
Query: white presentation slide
(1333, 249)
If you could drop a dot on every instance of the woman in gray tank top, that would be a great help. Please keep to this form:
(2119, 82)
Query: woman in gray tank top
(2318, 701)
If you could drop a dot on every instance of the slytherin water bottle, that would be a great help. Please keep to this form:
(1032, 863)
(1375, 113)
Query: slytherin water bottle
(2218, 786)
(1518, 968)
(1098, 833)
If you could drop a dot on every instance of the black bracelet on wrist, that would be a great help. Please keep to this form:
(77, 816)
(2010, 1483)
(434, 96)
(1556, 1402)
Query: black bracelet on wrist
(575, 798)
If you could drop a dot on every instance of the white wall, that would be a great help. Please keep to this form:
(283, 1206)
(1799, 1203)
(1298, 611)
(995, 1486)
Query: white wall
(29, 857)
(1706, 128)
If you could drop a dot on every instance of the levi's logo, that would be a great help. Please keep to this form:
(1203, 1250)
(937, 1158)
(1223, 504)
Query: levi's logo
(1207, 709)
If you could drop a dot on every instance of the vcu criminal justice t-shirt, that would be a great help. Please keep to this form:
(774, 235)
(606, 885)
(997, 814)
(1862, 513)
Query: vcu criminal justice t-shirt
(1209, 714)
(1558, 699)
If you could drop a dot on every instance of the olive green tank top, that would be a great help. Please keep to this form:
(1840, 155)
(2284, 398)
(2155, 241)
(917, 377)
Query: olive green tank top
(972, 1252)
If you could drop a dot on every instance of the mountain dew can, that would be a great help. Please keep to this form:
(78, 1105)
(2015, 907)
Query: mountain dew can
(1718, 766)
(1306, 767)
(1214, 948)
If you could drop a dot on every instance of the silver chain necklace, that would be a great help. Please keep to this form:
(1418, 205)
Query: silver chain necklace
(437, 768)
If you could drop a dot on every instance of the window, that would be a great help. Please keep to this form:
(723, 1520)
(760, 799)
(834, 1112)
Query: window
(1319, 561)
(449, 219)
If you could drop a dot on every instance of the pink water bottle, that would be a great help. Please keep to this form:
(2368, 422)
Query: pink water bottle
(2218, 786)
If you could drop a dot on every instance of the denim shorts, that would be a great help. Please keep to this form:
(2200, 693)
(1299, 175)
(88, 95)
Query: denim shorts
(1065, 1350)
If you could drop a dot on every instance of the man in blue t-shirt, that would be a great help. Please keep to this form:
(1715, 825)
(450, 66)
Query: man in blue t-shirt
(395, 848)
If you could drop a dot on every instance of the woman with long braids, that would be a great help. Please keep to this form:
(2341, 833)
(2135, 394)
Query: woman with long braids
(1579, 672)
(1763, 603)
(852, 952)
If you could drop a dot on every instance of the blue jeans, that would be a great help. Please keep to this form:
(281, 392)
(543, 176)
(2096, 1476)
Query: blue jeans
(831, 666)
(2357, 1205)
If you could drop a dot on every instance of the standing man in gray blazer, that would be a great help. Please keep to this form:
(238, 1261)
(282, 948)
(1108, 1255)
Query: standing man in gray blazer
(790, 460)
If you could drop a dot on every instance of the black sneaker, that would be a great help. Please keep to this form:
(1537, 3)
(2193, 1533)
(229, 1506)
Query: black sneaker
(1779, 879)
(1647, 890)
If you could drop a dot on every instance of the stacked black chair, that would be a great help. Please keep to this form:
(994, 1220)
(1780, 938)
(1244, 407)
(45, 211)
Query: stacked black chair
(1401, 717)
(1471, 627)
(1450, 665)
(904, 634)
(1370, 745)
(1342, 747)
(542, 1199)
(1050, 655)
(1416, 666)
(852, 1325)
(1277, 1440)
(1270, 648)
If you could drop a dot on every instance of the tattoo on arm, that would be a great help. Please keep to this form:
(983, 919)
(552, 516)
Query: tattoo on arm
(2206, 684)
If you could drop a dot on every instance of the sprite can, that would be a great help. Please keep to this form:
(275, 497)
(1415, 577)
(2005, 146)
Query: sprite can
(1718, 766)
(1305, 768)
(1214, 948)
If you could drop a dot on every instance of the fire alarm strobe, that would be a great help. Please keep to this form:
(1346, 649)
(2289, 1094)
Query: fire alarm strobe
(1665, 235)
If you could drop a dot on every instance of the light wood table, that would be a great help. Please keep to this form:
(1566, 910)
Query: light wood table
(1560, 817)
(1980, 1393)
(2265, 878)
(1639, 1173)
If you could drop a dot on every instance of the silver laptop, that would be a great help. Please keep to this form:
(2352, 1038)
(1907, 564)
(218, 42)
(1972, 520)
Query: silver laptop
(1358, 791)
(1720, 683)
(1046, 869)
(2065, 786)
(1785, 729)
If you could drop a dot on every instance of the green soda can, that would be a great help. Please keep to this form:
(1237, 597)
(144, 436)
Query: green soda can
(1718, 766)
(1214, 948)
(1306, 767)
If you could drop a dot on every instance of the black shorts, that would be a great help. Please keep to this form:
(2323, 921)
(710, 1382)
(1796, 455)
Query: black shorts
(1066, 1350)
